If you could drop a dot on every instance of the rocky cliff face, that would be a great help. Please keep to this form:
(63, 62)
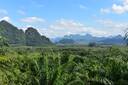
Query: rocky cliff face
(17, 36)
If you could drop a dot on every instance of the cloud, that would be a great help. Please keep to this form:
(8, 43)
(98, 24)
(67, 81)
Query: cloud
(65, 27)
(25, 27)
(104, 10)
(117, 8)
(113, 27)
(83, 7)
(21, 12)
(113, 24)
(5, 18)
(62, 27)
(33, 20)
(125, 2)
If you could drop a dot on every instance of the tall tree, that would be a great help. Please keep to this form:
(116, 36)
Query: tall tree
(126, 36)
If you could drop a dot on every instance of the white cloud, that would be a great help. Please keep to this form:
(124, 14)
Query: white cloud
(65, 27)
(104, 10)
(117, 8)
(5, 18)
(120, 9)
(113, 27)
(125, 2)
(113, 24)
(32, 20)
(21, 12)
(4, 15)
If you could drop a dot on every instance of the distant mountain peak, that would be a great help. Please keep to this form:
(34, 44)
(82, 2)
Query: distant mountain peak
(34, 38)
(87, 38)
(88, 35)
(6, 24)
(31, 28)
(119, 36)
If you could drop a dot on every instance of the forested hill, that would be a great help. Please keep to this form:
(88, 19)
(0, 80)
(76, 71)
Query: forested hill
(15, 36)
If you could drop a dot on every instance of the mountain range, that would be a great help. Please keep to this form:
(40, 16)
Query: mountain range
(87, 38)
(15, 36)
(31, 37)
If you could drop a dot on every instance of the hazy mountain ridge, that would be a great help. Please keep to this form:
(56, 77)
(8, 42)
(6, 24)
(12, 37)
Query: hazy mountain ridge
(31, 37)
(85, 39)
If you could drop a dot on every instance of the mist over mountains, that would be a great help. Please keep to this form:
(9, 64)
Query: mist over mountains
(87, 38)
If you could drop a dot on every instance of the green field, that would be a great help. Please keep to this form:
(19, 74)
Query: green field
(59, 65)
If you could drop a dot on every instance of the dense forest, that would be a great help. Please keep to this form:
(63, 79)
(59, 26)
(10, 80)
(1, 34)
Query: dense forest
(64, 66)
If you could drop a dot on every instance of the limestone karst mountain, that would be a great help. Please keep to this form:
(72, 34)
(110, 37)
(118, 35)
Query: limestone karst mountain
(17, 36)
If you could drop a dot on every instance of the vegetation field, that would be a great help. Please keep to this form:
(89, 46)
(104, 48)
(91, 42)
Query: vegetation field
(64, 65)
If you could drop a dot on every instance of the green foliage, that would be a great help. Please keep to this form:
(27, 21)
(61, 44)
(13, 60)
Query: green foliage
(12, 33)
(92, 44)
(3, 42)
(38, 66)
(66, 41)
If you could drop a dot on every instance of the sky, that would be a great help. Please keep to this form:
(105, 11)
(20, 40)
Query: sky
(56, 18)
